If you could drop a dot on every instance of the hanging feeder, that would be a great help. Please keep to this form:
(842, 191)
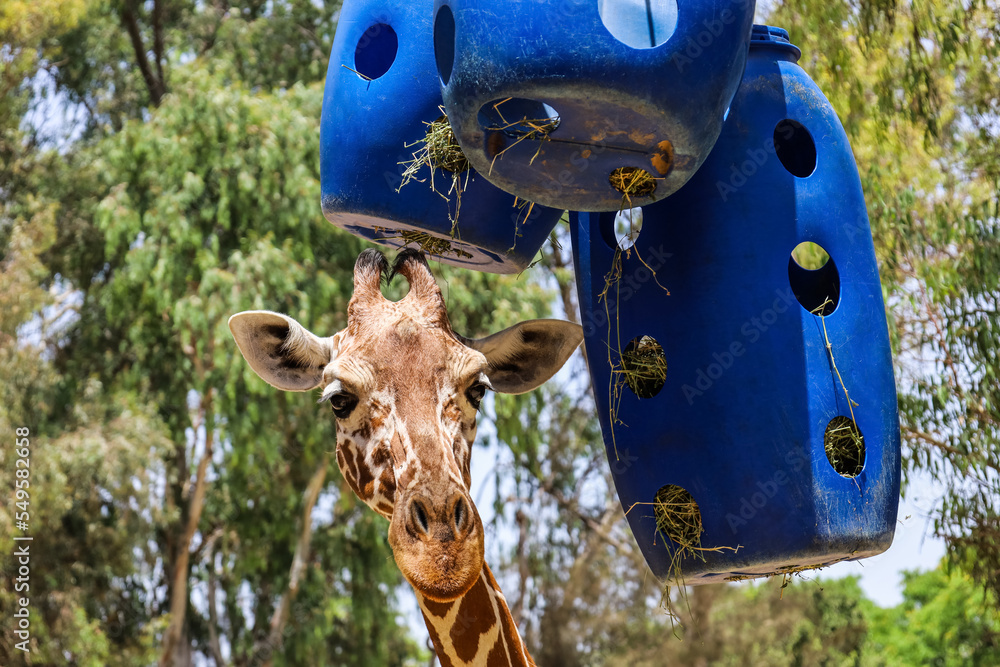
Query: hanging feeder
(390, 168)
(551, 101)
(749, 415)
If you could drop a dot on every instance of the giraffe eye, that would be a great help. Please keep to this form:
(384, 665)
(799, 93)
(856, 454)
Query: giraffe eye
(343, 404)
(475, 394)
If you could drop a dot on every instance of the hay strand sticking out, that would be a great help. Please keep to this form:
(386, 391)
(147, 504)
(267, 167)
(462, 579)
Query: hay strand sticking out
(678, 518)
(632, 182)
(644, 367)
(845, 446)
(438, 149)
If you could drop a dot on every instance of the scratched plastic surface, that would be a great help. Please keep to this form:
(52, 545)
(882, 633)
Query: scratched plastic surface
(750, 384)
(640, 88)
(368, 121)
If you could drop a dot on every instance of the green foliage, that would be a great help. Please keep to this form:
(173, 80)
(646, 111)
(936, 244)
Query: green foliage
(945, 619)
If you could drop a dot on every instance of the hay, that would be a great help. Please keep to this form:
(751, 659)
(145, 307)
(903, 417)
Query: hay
(644, 367)
(632, 182)
(524, 129)
(842, 441)
(439, 149)
(431, 245)
(678, 518)
(845, 446)
(443, 150)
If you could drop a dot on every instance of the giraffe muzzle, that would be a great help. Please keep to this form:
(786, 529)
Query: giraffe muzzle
(438, 543)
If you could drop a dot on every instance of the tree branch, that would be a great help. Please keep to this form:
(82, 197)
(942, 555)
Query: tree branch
(933, 441)
(264, 654)
(213, 614)
(179, 597)
(130, 21)
(158, 40)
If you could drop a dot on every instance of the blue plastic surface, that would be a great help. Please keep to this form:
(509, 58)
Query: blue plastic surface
(366, 126)
(656, 108)
(750, 387)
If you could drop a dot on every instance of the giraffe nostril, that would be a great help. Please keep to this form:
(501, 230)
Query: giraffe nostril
(460, 514)
(419, 515)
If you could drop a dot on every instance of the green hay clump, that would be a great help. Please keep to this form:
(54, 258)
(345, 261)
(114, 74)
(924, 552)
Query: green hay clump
(438, 149)
(442, 147)
(845, 446)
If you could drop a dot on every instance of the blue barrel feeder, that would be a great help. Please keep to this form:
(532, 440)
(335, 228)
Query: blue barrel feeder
(771, 424)
(381, 96)
(555, 101)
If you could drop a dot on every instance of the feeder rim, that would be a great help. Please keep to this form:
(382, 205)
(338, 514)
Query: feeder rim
(773, 38)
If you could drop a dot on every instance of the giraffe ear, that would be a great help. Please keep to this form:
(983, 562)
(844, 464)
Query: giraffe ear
(527, 354)
(281, 351)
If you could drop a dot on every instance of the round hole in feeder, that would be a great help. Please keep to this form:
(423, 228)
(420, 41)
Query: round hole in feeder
(376, 51)
(640, 24)
(845, 446)
(519, 117)
(795, 147)
(816, 289)
(644, 366)
(628, 224)
(444, 42)
(678, 517)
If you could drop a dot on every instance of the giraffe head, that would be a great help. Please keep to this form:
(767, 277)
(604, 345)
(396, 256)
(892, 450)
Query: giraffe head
(405, 390)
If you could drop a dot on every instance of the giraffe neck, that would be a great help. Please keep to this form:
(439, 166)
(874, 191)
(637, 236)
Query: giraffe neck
(476, 630)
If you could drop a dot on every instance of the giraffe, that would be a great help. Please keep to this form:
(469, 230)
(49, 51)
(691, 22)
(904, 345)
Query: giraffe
(405, 390)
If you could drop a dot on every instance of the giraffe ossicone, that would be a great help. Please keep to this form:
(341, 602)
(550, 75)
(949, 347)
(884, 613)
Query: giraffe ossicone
(405, 390)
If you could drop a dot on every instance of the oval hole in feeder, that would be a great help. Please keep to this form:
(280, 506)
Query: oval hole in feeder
(376, 51)
(817, 290)
(444, 43)
(641, 24)
(678, 518)
(628, 224)
(795, 147)
(644, 366)
(519, 117)
(845, 446)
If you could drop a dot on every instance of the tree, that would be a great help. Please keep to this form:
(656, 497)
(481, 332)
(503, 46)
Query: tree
(946, 619)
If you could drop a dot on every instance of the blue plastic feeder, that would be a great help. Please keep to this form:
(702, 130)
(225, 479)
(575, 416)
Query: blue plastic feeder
(752, 418)
(549, 99)
(381, 92)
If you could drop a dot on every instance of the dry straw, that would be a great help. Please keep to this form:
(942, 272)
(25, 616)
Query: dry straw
(439, 149)
(632, 182)
(432, 245)
(644, 367)
(843, 442)
(523, 128)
